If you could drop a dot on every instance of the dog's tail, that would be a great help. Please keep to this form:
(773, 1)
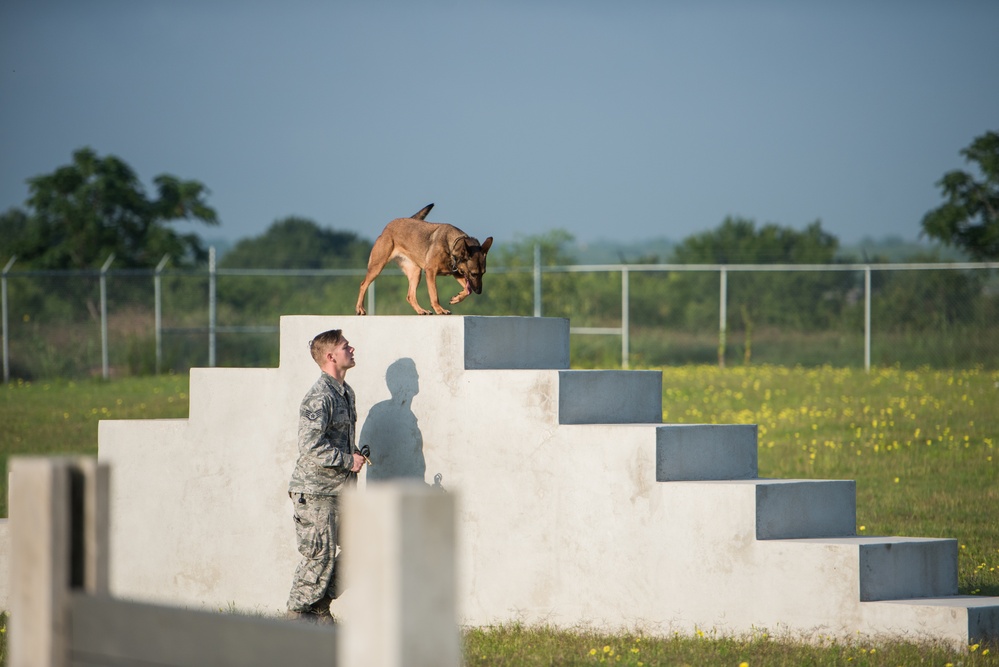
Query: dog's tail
(422, 213)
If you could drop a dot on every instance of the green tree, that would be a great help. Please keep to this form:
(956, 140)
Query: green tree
(82, 212)
(290, 243)
(299, 243)
(928, 300)
(805, 299)
(738, 241)
(969, 220)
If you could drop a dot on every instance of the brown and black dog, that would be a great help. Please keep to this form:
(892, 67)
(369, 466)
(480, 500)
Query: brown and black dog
(431, 247)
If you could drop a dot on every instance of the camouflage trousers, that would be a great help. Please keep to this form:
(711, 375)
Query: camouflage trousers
(317, 522)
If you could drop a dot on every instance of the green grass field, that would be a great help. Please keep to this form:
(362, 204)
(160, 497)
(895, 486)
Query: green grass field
(920, 444)
(61, 416)
(516, 646)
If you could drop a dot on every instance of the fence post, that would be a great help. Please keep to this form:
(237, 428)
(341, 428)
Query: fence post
(211, 307)
(6, 324)
(867, 318)
(537, 280)
(722, 316)
(625, 318)
(158, 310)
(399, 555)
(105, 366)
(371, 299)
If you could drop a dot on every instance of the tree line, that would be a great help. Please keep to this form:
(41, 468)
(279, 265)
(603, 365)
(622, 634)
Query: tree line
(78, 215)
(81, 213)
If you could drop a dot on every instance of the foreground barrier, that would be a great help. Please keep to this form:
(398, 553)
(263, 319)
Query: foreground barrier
(62, 613)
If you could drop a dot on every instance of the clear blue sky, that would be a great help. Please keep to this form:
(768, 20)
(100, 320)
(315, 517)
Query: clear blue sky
(630, 119)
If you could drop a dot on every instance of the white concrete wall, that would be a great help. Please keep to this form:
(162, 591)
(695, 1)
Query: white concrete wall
(562, 519)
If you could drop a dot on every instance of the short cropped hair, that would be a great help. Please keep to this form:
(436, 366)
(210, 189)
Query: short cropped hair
(323, 342)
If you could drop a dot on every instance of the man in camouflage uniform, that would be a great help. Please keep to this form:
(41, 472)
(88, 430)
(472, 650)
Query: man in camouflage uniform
(328, 463)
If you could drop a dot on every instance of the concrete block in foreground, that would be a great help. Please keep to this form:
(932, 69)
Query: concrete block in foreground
(399, 558)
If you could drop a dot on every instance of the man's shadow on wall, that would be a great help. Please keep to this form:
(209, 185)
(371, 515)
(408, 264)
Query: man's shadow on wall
(392, 431)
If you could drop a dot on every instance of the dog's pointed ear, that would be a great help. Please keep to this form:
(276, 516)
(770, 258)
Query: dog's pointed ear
(422, 213)
(486, 244)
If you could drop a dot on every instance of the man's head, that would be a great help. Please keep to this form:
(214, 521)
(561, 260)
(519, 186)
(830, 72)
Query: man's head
(332, 352)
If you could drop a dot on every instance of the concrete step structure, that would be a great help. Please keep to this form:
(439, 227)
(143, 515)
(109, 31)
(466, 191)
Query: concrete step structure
(797, 508)
(577, 506)
(691, 452)
(610, 397)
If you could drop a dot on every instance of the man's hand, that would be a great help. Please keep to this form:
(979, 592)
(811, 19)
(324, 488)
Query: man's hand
(358, 462)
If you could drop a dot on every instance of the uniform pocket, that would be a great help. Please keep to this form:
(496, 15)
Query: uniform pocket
(313, 530)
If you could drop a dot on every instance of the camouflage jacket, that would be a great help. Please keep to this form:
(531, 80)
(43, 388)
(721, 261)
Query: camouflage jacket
(326, 423)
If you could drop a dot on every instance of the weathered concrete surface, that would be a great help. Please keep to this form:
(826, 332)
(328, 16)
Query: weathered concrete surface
(399, 554)
(561, 520)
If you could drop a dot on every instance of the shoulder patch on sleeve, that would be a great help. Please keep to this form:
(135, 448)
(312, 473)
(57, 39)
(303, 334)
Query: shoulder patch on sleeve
(311, 415)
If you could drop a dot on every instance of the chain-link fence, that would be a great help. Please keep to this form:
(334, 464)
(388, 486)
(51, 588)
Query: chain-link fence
(126, 322)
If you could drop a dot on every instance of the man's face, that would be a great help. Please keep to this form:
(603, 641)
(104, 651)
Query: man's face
(343, 355)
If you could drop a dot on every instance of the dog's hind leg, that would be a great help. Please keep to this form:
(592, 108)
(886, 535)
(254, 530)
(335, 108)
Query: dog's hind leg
(381, 252)
(368, 279)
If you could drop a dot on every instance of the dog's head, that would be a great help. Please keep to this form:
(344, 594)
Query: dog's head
(470, 261)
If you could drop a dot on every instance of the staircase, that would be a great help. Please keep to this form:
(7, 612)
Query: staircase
(577, 506)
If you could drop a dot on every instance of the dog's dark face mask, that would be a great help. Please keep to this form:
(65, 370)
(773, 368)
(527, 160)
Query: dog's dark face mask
(473, 266)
